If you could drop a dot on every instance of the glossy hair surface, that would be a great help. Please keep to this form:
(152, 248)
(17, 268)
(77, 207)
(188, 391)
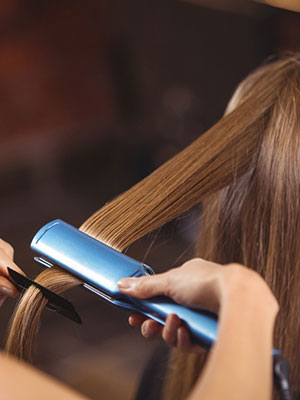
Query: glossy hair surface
(255, 220)
(246, 170)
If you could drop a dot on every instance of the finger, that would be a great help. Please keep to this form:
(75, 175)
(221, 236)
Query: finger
(184, 342)
(7, 288)
(136, 319)
(151, 329)
(146, 286)
(9, 250)
(169, 332)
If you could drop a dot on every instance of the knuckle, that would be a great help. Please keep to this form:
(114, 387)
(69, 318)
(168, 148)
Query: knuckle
(141, 285)
(247, 279)
(235, 270)
(197, 263)
(168, 279)
(167, 284)
(192, 261)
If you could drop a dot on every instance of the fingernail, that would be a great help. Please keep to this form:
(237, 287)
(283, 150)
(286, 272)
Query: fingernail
(7, 291)
(126, 284)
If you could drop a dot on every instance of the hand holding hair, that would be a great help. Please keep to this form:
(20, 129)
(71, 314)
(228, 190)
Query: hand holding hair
(7, 289)
(198, 284)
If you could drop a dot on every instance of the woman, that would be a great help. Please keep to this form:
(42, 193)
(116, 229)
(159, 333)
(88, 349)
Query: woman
(245, 170)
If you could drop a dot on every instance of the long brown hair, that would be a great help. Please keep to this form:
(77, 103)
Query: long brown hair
(246, 170)
(256, 220)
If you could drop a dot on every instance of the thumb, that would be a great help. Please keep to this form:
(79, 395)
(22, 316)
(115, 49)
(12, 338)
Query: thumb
(146, 286)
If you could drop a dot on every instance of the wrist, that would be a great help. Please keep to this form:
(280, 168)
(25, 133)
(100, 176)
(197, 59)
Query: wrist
(246, 289)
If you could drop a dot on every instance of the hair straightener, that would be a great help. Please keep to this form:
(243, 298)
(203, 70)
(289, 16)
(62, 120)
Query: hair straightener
(100, 267)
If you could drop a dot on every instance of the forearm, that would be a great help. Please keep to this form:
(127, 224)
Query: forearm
(240, 364)
(21, 381)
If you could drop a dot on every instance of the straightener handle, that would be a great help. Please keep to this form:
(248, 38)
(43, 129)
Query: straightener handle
(202, 325)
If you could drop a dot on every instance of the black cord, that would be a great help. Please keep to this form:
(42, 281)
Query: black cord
(281, 371)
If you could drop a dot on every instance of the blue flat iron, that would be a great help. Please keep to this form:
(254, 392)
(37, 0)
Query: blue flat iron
(100, 267)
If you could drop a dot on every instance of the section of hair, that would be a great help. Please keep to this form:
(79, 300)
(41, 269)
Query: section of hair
(26, 319)
(213, 161)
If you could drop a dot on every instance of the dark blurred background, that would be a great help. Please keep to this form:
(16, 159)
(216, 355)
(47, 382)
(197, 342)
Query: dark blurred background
(94, 95)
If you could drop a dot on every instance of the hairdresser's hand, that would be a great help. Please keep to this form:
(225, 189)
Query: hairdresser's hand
(7, 289)
(199, 284)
